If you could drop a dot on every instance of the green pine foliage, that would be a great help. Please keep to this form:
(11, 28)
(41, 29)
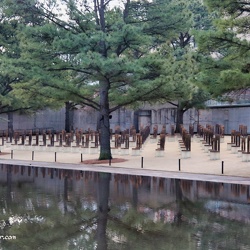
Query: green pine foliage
(93, 54)
(226, 48)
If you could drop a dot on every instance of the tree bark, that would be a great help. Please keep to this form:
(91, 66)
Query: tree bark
(10, 122)
(179, 119)
(136, 120)
(68, 117)
(105, 150)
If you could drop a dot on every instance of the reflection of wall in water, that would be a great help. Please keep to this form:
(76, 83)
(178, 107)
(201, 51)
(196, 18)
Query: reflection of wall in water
(149, 189)
(211, 190)
(153, 189)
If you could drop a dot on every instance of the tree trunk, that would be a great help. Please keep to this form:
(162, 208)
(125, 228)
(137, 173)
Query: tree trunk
(105, 150)
(135, 196)
(68, 118)
(98, 122)
(103, 210)
(10, 126)
(136, 120)
(178, 215)
(179, 119)
(9, 185)
(66, 187)
(10, 122)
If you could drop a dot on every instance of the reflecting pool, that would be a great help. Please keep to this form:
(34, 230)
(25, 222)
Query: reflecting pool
(45, 208)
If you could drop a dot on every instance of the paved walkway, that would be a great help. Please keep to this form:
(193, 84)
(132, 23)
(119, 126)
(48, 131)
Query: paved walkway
(198, 166)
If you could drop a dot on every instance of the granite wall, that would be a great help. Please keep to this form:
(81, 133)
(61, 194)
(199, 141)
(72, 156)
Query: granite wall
(230, 117)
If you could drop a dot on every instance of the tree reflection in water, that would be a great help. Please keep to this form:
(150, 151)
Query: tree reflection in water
(65, 209)
(103, 209)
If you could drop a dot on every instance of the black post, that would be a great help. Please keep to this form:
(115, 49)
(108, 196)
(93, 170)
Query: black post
(179, 164)
(142, 162)
(11, 154)
(110, 161)
(222, 167)
(55, 156)
(32, 155)
(81, 157)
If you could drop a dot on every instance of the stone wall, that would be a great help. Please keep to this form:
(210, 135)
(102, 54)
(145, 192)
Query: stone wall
(45, 119)
(158, 115)
(231, 118)
(87, 118)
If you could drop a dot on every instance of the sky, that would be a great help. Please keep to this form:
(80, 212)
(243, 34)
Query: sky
(116, 3)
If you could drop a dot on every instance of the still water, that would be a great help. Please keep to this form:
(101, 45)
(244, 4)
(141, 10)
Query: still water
(43, 208)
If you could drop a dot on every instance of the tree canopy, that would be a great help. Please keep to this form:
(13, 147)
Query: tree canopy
(226, 48)
(104, 56)
(190, 93)
(11, 72)
(96, 55)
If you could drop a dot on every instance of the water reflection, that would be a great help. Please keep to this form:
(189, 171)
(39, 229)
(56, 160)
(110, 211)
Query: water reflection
(48, 208)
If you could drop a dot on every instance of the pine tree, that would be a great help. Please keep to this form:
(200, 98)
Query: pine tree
(91, 54)
(189, 92)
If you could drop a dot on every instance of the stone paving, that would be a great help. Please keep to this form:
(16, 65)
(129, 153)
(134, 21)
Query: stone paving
(171, 164)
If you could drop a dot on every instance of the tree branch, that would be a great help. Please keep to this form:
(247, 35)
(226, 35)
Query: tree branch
(172, 103)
